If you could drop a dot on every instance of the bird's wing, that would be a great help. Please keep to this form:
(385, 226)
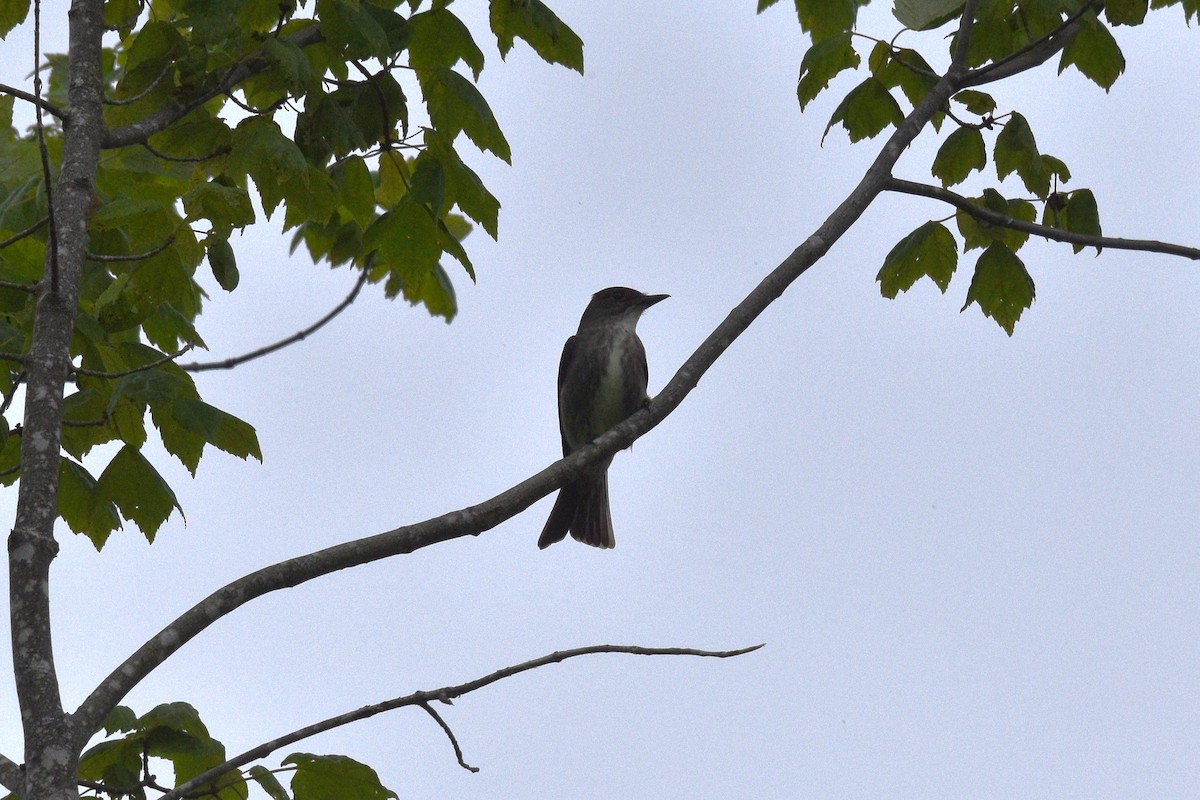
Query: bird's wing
(564, 364)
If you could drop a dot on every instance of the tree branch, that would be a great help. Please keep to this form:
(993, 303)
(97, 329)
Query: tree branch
(33, 99)
(1044, 231)
(32, 229)
(95, 373)
(1032, 55)
(445, 694)
(171, 112)
(106, 258)
(298, 336)
(50, 763)
(476, 519)
(11, 776)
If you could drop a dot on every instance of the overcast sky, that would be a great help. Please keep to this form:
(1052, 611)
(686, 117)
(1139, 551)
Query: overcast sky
(973, 558)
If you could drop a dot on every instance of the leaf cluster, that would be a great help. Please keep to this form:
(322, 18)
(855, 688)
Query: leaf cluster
(345, 117)
(120, 765)
(1007, 34)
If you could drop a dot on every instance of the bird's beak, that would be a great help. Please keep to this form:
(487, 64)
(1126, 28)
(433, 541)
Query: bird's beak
(651, 299)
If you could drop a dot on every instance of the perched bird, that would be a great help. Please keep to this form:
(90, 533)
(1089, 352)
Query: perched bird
(601, 381)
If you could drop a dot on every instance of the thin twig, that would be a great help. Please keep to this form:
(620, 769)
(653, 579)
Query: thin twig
(34, 99)
(19, 287)
(230, 363)
(45, 152)
(93, 373)
(32, 229)
(1046, 232)
(18, 358)
(423, 698)
(108, 101)
(186, 159)
(458, 753)
(133, 257)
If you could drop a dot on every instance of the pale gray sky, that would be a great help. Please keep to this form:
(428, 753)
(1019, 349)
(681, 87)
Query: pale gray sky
(973, 558)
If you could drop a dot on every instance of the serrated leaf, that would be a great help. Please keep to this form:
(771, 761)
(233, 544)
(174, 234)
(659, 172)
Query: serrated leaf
(1081, 215)
(977, 233)
(12, 14)
(979, 103)
(929, 251)
(356, 190)
(220, 429)
(824, 18)
(1126, 12)
(351, 31)
(962, 153)
(132, 484)
(533, 22)
(1016, 151)
(119, 720)
(1001, 287)
(1094, 52)
(334, 778)
(463, 186)
(440, 39)
(428, 183)
(267, 781)
(292, 63)
(866, 111)
(224, 206)
(821, 63)
(923, 15)
(79, 506)
(455, 105)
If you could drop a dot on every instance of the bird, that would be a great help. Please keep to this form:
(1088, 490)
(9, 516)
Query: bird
(601, 381)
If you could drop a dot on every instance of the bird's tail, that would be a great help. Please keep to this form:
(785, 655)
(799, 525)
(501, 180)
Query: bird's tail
(561, 516)
(592, 523)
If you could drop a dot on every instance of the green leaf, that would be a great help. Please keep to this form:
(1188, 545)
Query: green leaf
(132, 484)
(356, 191)
(224, 206)
(821, 63)
(866, 111)
(540, 28)
(223, 264)
(824, 18)
(1016, 151)
(924, 15)
(961, 153)
(221, 430)
(267, 781)
(980, 234)
(440, 39)
(351, 31)
(12, 14)
(463, 186)
(292, 64)
(1094, 52)
(909, 71)
(262, 151)
(1082, 216)
(405, 237)
(929, 251)
(455, 105)
(79, 506)
(1126, 12)
(428, 183)
(1001, 286)
(325, 127)
(119, 720)
(334, 778)
(979, 103)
